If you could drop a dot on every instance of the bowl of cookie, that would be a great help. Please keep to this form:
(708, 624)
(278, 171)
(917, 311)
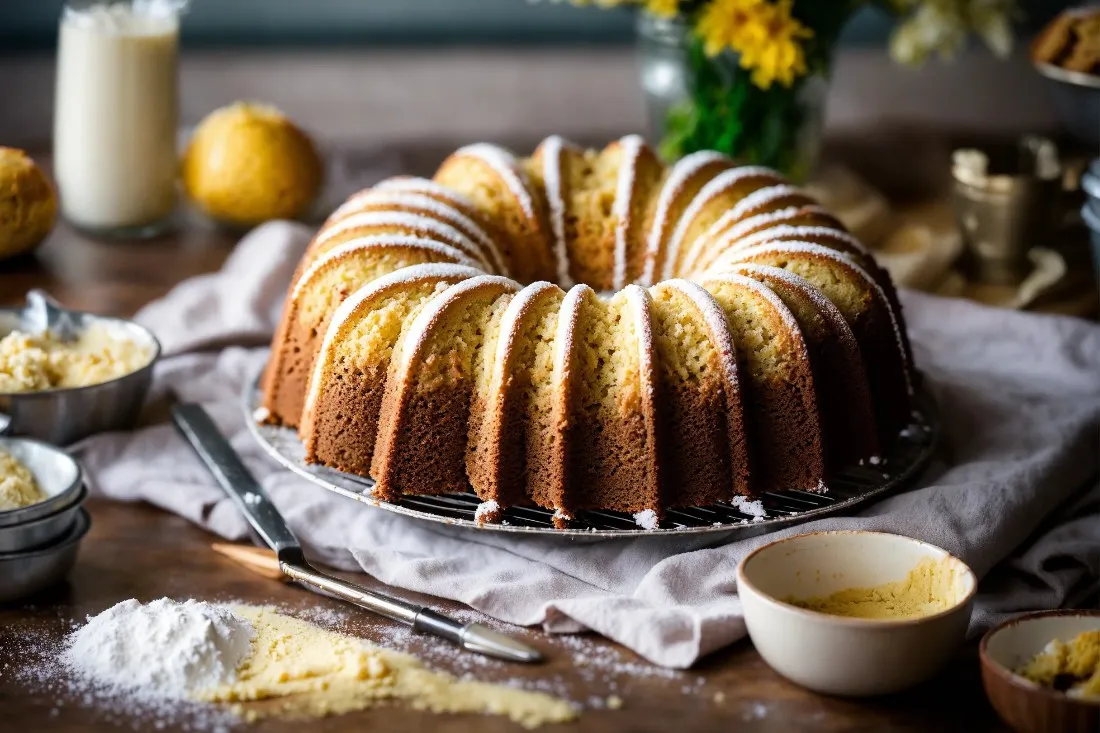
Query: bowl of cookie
(1067, 53)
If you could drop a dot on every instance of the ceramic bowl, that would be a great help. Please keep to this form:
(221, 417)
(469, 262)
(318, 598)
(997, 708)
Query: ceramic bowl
(838, 655)
(63, 416)
(57, 474)
(1026, 706)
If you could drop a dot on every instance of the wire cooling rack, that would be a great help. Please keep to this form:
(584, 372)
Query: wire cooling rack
(847, 490)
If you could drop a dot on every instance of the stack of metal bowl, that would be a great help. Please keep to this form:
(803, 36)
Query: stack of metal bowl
(1090, 212)
(39, 542)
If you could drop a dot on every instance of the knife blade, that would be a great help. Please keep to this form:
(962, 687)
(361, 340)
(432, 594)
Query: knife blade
(196, 426)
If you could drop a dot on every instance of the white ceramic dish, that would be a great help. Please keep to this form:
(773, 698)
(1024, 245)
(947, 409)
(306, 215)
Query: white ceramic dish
(847, 656)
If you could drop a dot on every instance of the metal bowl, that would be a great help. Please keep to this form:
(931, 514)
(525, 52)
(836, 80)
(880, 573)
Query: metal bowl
(40, 532)
(1077, 99)
(63, 416)
(1090, 212)
(57, 474)
(25, 573)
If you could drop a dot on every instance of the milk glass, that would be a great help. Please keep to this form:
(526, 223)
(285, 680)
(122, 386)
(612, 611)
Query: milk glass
(115, 115)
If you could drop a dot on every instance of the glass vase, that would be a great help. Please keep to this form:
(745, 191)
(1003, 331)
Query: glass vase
(698, 102)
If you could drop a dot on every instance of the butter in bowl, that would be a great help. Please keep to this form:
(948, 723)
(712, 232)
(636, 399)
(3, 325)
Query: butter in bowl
(65, 375)
(855, 613)
(41, 516)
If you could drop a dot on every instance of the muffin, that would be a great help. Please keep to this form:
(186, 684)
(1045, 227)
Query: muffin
(28, 203)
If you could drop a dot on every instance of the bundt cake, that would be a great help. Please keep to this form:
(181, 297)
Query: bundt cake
(584, 330)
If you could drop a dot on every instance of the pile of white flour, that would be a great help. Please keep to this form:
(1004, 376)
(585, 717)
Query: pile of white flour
(163, 649)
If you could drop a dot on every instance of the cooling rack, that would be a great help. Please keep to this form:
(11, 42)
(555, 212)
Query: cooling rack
(847, 490)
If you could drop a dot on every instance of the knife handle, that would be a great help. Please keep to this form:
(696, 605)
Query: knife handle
(232, 475)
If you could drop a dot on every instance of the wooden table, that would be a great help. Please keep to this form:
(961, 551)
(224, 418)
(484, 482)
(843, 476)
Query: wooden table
(137, 551)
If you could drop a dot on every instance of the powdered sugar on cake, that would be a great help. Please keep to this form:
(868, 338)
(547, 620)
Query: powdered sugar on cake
(715, 187)
(552, 148)
(506, 167)
(415, 223)
(624, 201)
(683, 171)
(393, 241)
(418, 203)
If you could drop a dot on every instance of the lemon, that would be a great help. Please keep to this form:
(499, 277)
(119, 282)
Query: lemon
(28, 203)
(247, 163)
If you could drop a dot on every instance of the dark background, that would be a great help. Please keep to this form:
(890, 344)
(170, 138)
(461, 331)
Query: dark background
(32, 24)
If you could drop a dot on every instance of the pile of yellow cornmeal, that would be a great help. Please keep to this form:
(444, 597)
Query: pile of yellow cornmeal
(299, 670)
(929, 588)
(17, 485)
(1072, 666)
(31, 363)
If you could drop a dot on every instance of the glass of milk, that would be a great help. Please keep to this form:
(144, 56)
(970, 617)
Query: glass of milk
(115, 115)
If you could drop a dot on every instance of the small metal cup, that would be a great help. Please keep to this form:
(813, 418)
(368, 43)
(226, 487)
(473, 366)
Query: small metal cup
(1005, 205)
(63, 416)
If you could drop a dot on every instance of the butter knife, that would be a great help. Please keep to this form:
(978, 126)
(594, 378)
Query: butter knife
(218, 455)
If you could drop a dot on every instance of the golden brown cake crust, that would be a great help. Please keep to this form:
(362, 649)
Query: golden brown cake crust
(840, 381)
(421, 446)
(781, 413)
(782, 358)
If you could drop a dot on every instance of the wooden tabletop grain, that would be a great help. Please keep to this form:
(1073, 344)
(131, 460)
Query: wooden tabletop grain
(137, 551)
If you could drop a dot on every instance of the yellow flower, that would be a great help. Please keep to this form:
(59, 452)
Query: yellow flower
(727, 24)
(779, 55)
(663, 8)
(765, 35)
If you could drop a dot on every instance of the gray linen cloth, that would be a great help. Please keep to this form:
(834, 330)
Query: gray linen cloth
(1015, 491)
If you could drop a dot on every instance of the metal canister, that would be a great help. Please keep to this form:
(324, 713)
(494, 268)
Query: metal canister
(1005, 205)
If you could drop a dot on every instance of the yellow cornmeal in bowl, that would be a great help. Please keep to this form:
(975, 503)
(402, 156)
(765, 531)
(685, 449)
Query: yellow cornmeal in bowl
(17, 485)
(32, 363)
(934, 585)
(299, 670)
(1072, 667)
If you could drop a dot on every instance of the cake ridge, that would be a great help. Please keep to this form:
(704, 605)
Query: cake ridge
(713, 188)
(845, 390)
(552, 148)
(445, 212)
(622, 208)
(789, 231)
(352, 303)
(822, 251)
(797, 386)
(495, 443)
(379, 241)
(504, 162)
(767, 195)
(682, 171)
(416, 222)
(426, 186)
(718, 327)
